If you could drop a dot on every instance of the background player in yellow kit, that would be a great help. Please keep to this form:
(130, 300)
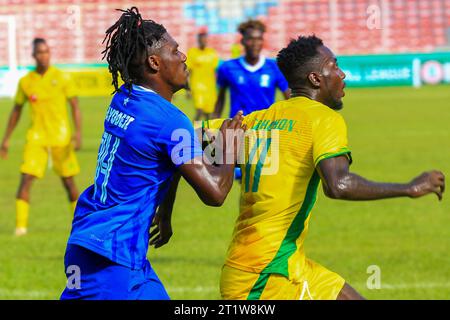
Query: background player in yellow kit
(202, 62)
(306, 141)
(47, 90)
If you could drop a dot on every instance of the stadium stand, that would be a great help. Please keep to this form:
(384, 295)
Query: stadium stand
(75, 29)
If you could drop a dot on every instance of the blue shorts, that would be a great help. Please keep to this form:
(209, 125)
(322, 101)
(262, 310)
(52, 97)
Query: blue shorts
(93, 277)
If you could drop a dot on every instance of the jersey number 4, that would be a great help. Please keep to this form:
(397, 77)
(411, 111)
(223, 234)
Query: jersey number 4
(106, 155)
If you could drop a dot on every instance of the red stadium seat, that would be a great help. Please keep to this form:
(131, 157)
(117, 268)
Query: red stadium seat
(411, 25)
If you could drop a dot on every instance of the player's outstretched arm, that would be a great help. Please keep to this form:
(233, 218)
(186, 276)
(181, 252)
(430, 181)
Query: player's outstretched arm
(339, 183)
(213, 182)
(76, 115)
(12, 123)
(220, 102)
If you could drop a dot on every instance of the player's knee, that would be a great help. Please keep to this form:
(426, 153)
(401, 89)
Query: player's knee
(70, 186)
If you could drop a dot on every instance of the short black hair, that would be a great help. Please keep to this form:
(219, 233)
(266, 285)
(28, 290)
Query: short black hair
(296, 61)
(36, 42)
(127, 42)
(251, 24)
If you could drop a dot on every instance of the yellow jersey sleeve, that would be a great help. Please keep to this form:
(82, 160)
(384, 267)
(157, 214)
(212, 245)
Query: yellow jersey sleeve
(213, 123)
(70, 88)
(20, 97)
(330, 138)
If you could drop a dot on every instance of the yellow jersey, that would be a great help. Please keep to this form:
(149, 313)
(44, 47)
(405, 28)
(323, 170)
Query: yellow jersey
(283, 147)
(202, 65)
(47, 95)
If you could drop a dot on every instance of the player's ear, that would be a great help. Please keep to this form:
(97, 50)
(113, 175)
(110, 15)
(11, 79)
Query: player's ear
(314, 79)
(154, 62)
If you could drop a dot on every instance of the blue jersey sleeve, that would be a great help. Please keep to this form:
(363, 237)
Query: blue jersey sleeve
(179, 141)
(222, 78)
(282, 83)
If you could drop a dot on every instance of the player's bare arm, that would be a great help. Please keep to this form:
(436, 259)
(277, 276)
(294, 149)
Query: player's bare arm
(213, 182)
(220, 103)
(340, 183)
(287, 93)
(76, 115)
(12, 123)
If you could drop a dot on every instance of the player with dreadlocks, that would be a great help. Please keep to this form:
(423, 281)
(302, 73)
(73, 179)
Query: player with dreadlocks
(146, 145)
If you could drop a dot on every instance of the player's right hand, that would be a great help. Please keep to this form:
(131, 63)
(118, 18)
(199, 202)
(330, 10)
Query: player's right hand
(232, 128)
(161, 230)
(4, 150)
(428, 182)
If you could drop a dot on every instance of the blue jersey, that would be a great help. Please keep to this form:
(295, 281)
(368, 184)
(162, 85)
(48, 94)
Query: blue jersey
(251, 87)
(145, 139)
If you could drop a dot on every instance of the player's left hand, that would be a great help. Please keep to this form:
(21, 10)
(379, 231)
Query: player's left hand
(162, 231)
(4, 150)
(232, 128)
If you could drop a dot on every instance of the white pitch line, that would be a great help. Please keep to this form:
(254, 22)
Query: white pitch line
(24, 293)
(426, 285)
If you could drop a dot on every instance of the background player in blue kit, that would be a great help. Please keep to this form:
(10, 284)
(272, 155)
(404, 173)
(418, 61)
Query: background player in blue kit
(146, 142)
(252, 78)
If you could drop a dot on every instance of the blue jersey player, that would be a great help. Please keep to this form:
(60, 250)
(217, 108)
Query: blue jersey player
(252, 78)
(146, 145)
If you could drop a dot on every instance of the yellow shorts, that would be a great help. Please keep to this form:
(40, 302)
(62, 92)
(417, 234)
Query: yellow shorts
(204, 100)
(316, 283)
(36, 160)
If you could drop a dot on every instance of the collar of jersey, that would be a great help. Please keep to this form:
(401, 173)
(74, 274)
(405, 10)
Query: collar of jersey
(49, 71)
(251, 68)
(142, 89)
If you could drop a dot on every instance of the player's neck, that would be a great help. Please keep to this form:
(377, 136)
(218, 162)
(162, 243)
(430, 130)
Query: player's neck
(303, 92)
(310, 94)
(163, 91)
(41, 69)
(252, 60)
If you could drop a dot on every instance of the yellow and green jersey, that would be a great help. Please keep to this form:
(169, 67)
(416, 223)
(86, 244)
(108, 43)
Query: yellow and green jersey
(47, 95)
(283, 147)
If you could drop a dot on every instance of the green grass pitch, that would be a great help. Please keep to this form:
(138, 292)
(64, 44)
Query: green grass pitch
(394, 134)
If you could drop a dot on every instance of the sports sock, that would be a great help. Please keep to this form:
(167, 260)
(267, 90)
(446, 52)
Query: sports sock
(22, 210)
(73, 205)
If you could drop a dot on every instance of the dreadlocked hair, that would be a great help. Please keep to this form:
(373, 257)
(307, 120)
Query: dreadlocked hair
(127, 42)
(298, 59)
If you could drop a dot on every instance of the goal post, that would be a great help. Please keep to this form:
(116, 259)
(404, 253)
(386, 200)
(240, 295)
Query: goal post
(10, 75)
(10, 22)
